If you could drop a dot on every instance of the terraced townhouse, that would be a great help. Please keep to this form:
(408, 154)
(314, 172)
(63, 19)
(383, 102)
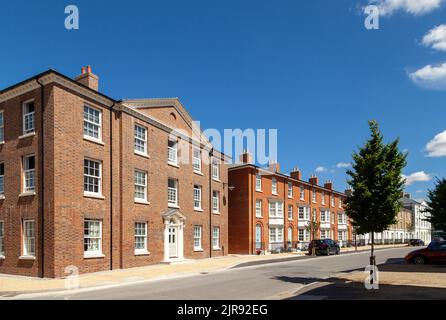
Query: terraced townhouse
(270, 211)
(93, 183)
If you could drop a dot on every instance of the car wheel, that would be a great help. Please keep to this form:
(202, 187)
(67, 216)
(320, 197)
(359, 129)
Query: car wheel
(419, 260)
(328, 252)
(338, 251)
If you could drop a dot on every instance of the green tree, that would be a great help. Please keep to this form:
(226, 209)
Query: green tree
(313, 227)
(377, 183)
(436, 201)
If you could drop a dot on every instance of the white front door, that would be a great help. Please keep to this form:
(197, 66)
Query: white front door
(173, 242)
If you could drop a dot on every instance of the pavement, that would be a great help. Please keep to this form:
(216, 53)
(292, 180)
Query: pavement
(285, 276)
(14, 285)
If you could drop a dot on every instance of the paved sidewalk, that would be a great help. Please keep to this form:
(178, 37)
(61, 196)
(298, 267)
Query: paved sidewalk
(13, 285)
(428, 276)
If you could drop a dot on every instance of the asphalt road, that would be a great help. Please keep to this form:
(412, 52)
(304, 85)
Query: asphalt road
(280, 280)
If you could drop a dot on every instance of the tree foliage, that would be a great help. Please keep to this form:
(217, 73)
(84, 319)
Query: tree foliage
(436, 201)
(376, 182)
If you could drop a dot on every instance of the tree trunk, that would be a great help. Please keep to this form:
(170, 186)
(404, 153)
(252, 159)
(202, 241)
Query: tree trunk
(372, 258)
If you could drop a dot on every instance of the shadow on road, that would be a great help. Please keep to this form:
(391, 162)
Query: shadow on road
(338, 289)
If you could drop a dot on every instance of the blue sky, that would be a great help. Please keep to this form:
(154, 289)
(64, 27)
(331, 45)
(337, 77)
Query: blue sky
(307, 68)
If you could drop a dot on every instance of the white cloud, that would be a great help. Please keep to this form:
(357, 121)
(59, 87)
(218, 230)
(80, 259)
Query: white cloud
(414, 7)
(437, 146)
(321, 169)
(343, 165)
(430, 77)
(420, 176)
(436, 38)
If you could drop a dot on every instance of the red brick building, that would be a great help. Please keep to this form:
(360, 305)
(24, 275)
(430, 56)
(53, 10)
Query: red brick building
(270, 211)
(99, 184)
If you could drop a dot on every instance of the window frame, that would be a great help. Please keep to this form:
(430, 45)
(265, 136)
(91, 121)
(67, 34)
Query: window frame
(198, 190)
(216, 239)
(2, 239)
(24, 122)
(277, 205)
(88, 254)
(290, 206)
(25, 250)
(144, 236)
(25, 188)
(99, 125)
(198, 237)
(144, 186)
(302, 193)
(197, 160)
(2, 180)
(314, 195)
(258, 183)
(169, 189)
(2, 127)
(274, 189)
(92, 193)
(215, 209)
(261, 208)
(144, 141)
(172, 151)
(290, 190)
(215, 169)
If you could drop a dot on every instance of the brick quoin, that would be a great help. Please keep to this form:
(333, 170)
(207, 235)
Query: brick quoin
(61, 175)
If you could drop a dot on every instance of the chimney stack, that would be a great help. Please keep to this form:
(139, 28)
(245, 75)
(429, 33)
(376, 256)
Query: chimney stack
(328, 185)
(314, 180)
(88, 79)
(274, 167)
(296, 174)
(246, 157)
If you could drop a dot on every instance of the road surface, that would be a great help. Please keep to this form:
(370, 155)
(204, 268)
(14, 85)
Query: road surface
(280, 280)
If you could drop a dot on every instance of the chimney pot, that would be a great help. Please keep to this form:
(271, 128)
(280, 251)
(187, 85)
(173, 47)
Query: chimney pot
(88, 79)
(296, 174)
(314, 180)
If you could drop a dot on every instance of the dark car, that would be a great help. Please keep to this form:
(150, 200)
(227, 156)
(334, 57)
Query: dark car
(325, 247)
(435, 252)
(416, 242)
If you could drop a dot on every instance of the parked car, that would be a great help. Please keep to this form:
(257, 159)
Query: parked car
(325, 247)
(435, 252)
(416, 242)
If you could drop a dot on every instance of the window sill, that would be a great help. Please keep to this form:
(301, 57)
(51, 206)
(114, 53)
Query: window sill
(2, 197)
(2, 143)
(142, 202)
(198, 173)
(198, 250)
(216, 180)
(259, 191)
(27, 194)
(142, 253)
(274, 194)
(27, 258)
(198, 209)
(144, 155)
(174, 206)
(173, 165)
(94, 196)
(27, 135)
(2, 257)
(261, 217)
(90, 139)
(217, 213)
(94, 256)
(216, 249)
(290, 197)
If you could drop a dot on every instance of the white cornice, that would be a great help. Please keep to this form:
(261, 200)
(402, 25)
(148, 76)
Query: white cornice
(54, 78)
(18, 91)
